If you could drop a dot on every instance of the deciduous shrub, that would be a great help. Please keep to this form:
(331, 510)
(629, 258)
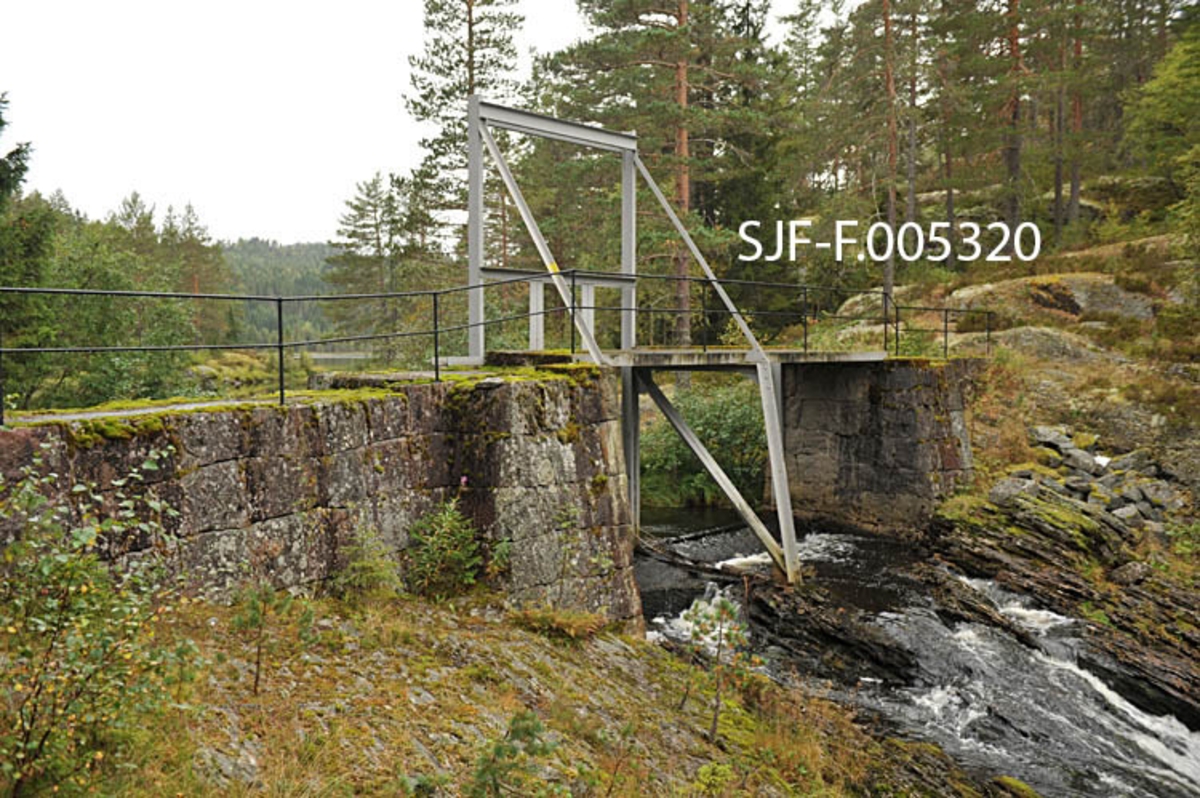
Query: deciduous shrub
(728, 419)
(77, 644)
(443, 556)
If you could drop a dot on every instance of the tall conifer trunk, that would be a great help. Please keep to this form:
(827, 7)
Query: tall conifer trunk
(910, 210)
(1076, 118)
(1012, 149)
(889, 78)
(683, 184)
(1059, 123)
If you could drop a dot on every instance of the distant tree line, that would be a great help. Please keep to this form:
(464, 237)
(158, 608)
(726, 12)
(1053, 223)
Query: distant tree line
(44, 242)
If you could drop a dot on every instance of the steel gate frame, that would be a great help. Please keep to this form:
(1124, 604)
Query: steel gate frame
(482, 115)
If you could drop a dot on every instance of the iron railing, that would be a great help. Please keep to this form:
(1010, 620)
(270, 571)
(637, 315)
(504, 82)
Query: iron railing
(795, 304)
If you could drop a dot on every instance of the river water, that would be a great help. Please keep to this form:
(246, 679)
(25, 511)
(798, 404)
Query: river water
(995, 703)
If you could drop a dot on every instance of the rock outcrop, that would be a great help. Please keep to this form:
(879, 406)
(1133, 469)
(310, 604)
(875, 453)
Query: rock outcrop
(1071, 534)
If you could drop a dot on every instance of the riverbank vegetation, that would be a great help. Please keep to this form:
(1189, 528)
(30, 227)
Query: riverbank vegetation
(129, 683)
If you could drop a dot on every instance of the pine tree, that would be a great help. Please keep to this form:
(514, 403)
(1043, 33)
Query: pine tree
(1164, 115)
(469, 49)
(13, 165)
(201, 268)
(691, 77)
(889, 84)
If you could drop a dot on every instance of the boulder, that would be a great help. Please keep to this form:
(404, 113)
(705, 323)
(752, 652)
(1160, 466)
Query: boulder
(1129, 513)
(1100, 497)
(1006, 491)
(1054, 485)
(1080, 485)
(1080, 460)
(1131, 573)
(1136, 460)
(1131, 494)
(1053, 437)
(1160, 494)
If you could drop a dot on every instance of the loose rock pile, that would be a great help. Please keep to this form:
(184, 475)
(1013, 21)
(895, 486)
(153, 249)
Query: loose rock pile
(1131, 487)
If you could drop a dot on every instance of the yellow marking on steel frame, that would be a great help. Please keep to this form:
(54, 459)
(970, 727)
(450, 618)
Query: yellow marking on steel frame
(552, 266)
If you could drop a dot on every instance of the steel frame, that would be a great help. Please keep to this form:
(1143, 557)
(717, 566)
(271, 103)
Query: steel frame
(481, 116)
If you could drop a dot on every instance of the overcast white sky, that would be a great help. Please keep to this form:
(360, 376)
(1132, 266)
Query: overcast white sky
(263, 114)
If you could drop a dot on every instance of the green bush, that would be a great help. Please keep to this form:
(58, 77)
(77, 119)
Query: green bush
(370, 570)
(77, 643)
(728, 419)
(443, 557)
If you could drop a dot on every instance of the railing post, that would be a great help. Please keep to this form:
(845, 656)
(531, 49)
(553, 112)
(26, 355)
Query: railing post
(885, 322)
(896, 307)
(804, 320)
(573, 309)
(704, 316)
(279, 343)
(945, 333)
(437, 346)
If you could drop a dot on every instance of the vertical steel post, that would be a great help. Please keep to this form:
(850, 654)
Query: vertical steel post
(628, 250)
(631, 439)
(945, 333)
(573, 309)
(804, 311)
(537, 318)
(587, 308)
(704, 315)
(437, 345)
(475, 211)
(279, 343)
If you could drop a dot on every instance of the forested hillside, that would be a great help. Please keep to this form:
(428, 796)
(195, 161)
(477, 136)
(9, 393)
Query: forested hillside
(1033, 168)
(268, 268)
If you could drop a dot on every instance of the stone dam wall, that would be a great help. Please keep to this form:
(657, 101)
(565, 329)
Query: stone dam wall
(875, 444)
(541, 459)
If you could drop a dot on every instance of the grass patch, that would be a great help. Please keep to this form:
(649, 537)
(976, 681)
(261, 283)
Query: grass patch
(337, 717)
(560, 624)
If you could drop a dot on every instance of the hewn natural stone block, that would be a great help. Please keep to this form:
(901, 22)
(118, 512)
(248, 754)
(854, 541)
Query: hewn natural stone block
(875, 444)
(542, 459)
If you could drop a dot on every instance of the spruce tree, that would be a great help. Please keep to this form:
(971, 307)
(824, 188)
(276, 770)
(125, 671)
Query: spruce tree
(13, 165)
(382, 249)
